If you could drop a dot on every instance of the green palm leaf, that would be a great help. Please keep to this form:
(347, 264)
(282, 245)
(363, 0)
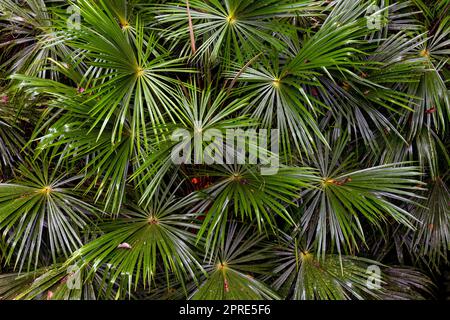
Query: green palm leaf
(304, 276)
(335, 211)
(128, 75)
(230, 29)
(242, 192)
(198, 111)
(143, 239)
(30, 37)
(228, 271)
(432, 237)
(40, 210)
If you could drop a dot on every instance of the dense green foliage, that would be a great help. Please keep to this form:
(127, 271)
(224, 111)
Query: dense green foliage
(360, 97)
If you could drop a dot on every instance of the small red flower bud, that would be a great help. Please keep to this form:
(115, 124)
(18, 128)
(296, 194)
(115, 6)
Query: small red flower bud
(226, 286)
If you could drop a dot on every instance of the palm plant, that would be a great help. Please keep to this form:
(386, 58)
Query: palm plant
(93, 204)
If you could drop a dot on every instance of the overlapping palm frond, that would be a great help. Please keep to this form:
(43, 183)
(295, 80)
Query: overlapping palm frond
(280, 102)
(432, 237)
(304, 276)
(102, 164)
(61, 282)
(278, 89)
(427, 148)
(434, 107)
(29, 37)
(198, 111)
(129, 77)
(241, 192)
(11, 137)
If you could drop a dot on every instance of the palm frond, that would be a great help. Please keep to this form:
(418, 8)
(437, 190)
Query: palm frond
(40, 210)
(333, 213)
(144, 239)
(228, 271)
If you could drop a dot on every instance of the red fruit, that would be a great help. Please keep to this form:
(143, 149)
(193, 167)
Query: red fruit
(432, 110)
(195, 180)
(80, 90)
(225, 285)
(4, 99)
(314, 92)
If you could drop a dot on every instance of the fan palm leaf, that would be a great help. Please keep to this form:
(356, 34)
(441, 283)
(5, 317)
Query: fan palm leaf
(143, 238)
(333, 211)
(304, 276)
(232, 29)
(228, 272)
(39, 210)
